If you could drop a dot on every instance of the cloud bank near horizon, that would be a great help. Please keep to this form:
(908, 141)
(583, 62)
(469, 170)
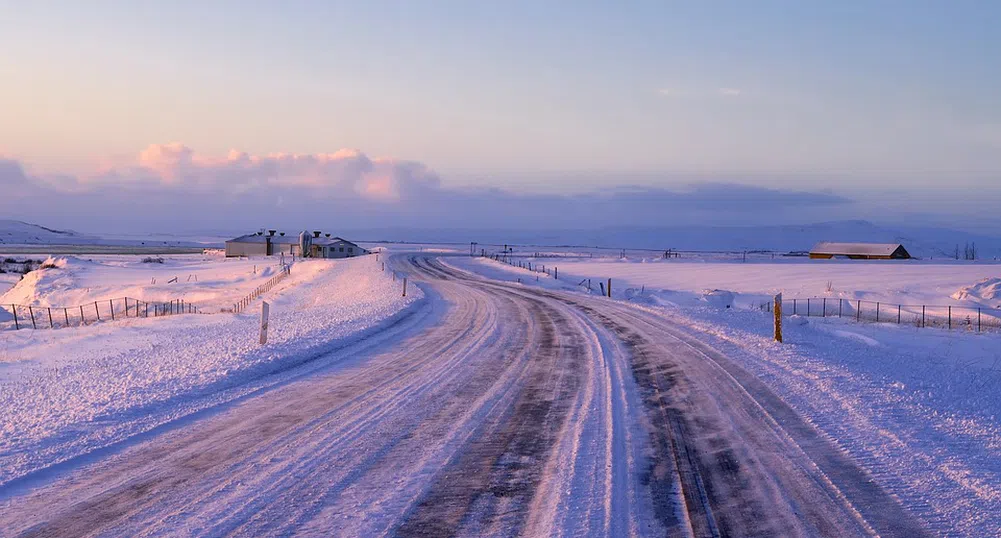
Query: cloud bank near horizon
(172, 187)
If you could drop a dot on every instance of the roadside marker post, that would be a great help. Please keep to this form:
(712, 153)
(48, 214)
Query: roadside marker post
(404, 286)
(264, 322)
(778, 318)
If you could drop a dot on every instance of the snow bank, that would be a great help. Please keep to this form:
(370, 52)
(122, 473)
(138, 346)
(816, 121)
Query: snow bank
(67, 392)
(210, 282)
(988, 289)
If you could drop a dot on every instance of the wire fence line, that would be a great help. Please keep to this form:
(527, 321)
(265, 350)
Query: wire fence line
(54, 317)
(969, 318)
(242, 304)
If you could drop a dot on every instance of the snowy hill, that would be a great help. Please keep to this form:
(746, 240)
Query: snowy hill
(15, 232)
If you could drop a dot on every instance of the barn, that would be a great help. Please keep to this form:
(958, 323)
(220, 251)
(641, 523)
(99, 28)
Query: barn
(859, 251)
(263, 244)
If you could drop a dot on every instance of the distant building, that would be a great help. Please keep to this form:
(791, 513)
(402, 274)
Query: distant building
(335, 247)
(859, 251)
(269, 244)
(263, 244)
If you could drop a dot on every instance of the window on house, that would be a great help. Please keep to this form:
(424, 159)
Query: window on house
(342, 249)
(351, 249)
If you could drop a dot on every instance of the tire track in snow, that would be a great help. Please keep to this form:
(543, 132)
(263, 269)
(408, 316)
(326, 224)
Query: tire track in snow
(526, 412)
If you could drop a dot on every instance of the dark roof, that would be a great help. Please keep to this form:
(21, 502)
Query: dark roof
(276, 240)
(856, 249)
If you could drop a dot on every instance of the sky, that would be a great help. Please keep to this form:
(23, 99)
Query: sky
(885, 110)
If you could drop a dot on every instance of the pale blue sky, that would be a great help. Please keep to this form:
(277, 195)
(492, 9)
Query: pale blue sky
(521, 95)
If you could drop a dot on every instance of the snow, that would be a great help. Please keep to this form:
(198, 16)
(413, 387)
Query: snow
(210, 282)
(15, 232)
(69, 392)
(891, 282)
(918, 408)
(988, 289)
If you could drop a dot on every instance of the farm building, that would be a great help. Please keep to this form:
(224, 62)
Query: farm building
(859, 251)
(269, 244)
(263, 244)
(334, 247)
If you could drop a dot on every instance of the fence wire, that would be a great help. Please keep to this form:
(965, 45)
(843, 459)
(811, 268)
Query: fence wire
(970, 318)
(55, 317)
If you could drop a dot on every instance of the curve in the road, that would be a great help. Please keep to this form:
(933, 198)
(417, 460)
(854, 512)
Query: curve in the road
(526, 412)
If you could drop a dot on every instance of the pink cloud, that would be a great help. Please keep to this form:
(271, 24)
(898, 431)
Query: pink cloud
(344, 172)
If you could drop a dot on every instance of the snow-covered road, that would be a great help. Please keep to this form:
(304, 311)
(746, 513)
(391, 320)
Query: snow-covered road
(523, 412)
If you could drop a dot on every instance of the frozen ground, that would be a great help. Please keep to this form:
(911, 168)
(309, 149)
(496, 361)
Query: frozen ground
(920, 408)
(69, 392)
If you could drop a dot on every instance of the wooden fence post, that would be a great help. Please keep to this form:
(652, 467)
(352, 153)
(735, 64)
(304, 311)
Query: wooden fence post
(778, 318)
(111, 306)
(32, 314)
(83, 320)
(98, 311)
(609, 288)
(66, 317)
(17, 326)
(264, 322)
(51, 326)
(404, 286)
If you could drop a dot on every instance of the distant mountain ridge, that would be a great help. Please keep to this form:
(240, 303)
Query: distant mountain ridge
(16, 232)
(928, 242)
(925, 242)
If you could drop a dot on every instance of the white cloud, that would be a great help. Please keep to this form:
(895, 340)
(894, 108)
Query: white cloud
(730, 92)
(665, 92)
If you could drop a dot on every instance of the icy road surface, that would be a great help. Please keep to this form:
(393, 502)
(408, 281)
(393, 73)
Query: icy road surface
(524, 412)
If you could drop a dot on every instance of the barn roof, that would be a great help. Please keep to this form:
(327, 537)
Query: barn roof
(330, 241)
(855, 249)
(277, 239)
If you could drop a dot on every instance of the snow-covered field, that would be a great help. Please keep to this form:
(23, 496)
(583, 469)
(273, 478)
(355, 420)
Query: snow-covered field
(903, 282)
(69, 392)
(921, 408)
(209, 281)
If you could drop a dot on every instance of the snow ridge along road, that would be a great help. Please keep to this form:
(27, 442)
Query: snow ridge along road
(525, 412)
